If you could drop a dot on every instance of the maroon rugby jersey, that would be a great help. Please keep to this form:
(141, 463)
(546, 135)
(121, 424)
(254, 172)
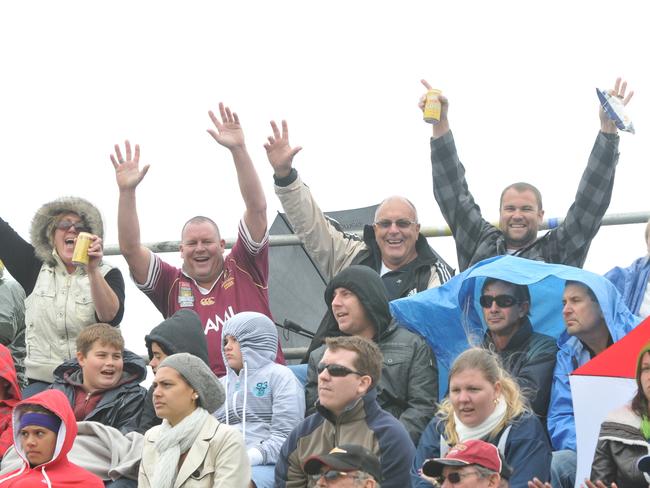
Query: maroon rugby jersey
(241, 287)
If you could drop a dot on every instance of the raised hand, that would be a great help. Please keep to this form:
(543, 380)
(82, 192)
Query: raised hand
(229, 132)
(597, 484)
(537, 483)
(441, 127)
(620, 87)
(278, 150)
(127, 171)
(95, 252)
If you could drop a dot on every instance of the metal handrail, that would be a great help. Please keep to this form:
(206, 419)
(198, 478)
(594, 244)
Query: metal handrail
(440, 231)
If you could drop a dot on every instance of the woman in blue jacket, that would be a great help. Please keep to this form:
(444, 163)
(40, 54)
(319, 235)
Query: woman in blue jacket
(485, 403)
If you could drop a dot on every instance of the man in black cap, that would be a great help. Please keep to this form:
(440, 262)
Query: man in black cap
(348, 465)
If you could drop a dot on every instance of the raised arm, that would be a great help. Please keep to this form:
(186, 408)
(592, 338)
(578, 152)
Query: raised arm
(229, 134)
(451, 192)
(128, 176)
(330, 248)
(572, 238)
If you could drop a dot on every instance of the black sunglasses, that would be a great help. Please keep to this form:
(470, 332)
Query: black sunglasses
(503, 301)
(455, 477)
(401, 223)
(332, 475)
(336, 370)
(66, 224)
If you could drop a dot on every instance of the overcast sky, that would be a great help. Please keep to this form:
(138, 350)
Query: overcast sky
(79, 76)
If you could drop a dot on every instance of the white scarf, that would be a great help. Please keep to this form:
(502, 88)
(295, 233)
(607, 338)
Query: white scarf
(172, 442)
(489, 424)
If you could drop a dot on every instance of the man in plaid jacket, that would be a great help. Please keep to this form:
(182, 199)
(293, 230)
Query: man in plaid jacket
(520, 209)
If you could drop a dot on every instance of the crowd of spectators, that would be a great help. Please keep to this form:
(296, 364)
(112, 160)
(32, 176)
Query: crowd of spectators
(366, 408)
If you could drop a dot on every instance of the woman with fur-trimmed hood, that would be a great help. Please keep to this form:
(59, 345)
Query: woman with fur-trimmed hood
(61, 298)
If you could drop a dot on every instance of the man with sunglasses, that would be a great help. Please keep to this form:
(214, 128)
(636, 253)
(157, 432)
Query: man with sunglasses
(528, 356)
(520, 207)
(345, 466)
(347, 413)
(392, 245)
(358, 306)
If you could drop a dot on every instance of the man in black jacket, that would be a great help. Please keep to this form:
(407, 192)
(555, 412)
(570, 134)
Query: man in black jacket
(408, 388)
(529, 357)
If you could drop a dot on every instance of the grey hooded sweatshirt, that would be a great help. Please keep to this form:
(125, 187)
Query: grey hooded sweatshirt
(264, 399)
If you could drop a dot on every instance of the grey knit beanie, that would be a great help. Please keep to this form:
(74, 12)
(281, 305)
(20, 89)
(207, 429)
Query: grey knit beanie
(200, 377)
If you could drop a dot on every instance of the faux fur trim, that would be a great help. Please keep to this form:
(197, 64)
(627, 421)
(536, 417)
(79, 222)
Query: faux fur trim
(624, 415)
(43, 221)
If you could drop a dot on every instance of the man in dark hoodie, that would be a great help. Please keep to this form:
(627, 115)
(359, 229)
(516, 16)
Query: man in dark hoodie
(408, 388)
(103, 383)
(182, 332)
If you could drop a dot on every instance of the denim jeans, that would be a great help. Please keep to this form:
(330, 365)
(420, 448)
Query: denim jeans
(563, 469)
(300, 370)
(263, 475)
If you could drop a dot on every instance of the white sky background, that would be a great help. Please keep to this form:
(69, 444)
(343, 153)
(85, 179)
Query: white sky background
(79, 76)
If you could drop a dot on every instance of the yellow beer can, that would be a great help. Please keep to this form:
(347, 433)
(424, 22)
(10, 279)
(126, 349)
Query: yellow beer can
(80, 254)
(432, 106)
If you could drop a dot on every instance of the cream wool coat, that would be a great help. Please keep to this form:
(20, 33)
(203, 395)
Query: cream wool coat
(217, 459)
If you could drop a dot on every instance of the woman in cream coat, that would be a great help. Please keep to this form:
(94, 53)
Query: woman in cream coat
(191, 448)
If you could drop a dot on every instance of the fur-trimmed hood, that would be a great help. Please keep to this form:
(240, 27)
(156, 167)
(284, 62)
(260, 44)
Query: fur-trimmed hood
(43, 222)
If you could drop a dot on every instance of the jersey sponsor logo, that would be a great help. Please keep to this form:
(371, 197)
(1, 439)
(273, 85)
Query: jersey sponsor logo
(207, 301)
(216, 324)
(185, 295)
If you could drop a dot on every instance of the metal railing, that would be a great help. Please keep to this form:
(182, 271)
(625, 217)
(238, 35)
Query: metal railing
(295, 353)
(440, 231)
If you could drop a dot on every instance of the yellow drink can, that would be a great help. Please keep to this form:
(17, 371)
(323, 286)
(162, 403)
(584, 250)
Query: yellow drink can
(432, 106)
(80, 254)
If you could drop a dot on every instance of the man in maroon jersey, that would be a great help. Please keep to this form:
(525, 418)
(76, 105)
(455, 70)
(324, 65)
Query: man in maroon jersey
(214, 286)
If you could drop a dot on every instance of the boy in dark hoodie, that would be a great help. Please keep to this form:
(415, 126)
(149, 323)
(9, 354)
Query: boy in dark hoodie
(182, 332)
(358, 305)
(103, 383)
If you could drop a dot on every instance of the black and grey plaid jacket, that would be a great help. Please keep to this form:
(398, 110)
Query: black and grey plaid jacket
(476, 239)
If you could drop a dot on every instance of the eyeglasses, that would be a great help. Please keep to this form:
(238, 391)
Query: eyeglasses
(332, 475)
(503, 301)
(66, 224)
(401, 223)
(455, 477)
(336, 370)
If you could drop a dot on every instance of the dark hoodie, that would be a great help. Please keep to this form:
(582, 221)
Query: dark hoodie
(58, 472)
(182, 332)
(118, 407)
(408, 387)
(13, 396)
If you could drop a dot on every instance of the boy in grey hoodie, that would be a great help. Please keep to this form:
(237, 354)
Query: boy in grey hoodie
(263, 399)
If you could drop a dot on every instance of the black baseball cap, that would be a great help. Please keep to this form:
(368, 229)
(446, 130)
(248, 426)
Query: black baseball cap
(346, 458)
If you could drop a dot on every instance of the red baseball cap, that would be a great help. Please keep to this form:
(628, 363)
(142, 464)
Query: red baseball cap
(464, 454)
